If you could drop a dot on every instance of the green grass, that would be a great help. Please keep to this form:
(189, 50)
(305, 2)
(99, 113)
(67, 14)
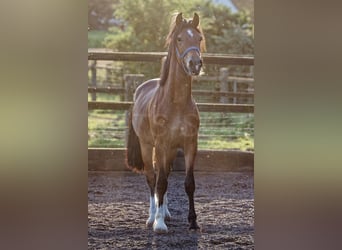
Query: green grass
(217, 131)
(106, 128)
(102, 97)
(242, 143)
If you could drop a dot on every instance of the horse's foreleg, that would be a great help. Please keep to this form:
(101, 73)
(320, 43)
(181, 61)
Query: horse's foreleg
(146, 151)
(151, 180)
(167, 212)
(190, 154)
(163, 170)
(161, 186)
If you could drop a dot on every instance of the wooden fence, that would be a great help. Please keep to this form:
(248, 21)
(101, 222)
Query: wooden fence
(203, 107)
(220, 59)
(104, 159)
(223, 94)
(208, 160)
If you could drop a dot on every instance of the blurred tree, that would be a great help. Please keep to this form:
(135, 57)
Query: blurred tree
(147, 24)
(226, 32)
(100, 12)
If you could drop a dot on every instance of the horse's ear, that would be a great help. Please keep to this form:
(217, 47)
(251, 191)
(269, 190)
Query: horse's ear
(179, 18)
(195, 20)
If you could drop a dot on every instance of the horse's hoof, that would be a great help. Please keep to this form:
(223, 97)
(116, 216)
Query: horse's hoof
(194, 227)
(159, 227)
(160, 231)
(149, 222)
(167, 215)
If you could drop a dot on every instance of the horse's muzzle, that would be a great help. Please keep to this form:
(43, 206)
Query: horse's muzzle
(194, 65)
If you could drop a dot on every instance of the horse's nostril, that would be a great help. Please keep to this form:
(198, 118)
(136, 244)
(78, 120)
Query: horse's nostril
(197, 63)
(191, 63)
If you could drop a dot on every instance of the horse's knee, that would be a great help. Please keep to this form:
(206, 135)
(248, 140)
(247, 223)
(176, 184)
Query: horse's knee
(150, 178)
(162, 173)
(161, 185)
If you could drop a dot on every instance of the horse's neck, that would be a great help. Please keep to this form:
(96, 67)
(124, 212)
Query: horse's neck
(178, 86)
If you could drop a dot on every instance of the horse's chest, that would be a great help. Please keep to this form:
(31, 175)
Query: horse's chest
(177, 126)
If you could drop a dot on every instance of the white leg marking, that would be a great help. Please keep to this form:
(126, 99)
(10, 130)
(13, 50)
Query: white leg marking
(159, 225)
(152, 212)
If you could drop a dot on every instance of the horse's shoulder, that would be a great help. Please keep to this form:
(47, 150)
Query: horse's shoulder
(146, 87)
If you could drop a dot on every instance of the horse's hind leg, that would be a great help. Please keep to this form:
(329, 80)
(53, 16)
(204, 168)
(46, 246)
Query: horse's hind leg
(190, 154)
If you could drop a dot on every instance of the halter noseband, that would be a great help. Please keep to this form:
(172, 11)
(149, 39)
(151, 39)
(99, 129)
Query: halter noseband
(181, 56)
(186, 51)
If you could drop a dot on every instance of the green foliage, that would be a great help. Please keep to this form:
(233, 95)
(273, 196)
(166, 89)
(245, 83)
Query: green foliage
(96, 38)
(146, 24)
(227, 33)
(99, 13)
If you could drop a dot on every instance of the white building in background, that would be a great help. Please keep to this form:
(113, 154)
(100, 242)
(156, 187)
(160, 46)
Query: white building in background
(229, 4)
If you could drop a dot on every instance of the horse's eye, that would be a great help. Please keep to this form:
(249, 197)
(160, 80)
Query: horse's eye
(179, 39)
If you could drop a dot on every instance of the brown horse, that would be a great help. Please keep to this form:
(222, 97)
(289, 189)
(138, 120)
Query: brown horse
(165, 117)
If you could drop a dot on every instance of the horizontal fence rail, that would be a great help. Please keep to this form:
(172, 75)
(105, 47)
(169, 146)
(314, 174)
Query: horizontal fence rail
(115, 90)
(107, 159)
(204, 107)
(94, 54)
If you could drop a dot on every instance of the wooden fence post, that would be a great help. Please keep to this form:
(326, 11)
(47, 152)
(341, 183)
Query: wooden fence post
(224, 84)
(108, 73)
(93, 79)
(131, 83)
(234, 90)
(251, 85)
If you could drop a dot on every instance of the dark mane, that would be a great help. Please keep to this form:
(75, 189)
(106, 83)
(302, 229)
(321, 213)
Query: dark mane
(170, 41)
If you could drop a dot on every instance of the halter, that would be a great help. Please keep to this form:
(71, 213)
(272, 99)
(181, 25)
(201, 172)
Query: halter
(186, 51)
(181, 56)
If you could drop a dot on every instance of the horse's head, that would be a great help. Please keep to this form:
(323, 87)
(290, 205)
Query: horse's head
(188, 40)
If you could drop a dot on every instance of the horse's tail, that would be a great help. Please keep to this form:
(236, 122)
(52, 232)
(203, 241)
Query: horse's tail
(134, 159)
